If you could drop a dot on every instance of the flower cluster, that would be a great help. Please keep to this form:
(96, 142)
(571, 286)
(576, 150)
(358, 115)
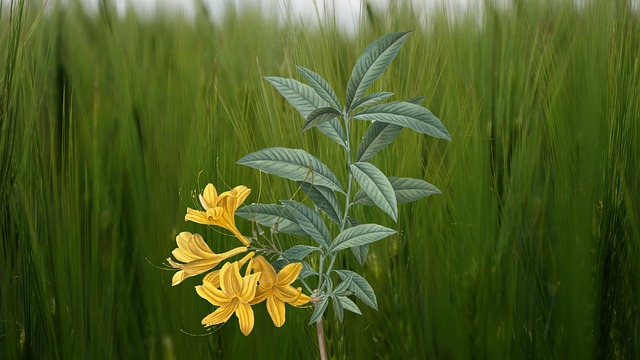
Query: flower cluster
(226, 288)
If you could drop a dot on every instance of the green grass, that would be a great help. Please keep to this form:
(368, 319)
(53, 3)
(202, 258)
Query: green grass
(530, 252)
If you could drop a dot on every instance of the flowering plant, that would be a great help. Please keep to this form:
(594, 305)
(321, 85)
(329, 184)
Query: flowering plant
(269, 280)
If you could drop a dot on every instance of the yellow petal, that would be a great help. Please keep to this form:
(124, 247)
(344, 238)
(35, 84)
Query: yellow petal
(213, 278)
(209, 196)
(260, 296)
(213, 214)
(177, 278)
(244, 312)
(230, 279)
(221, 315)
(276, 310)
(212, 294)
(241, 193)
(196, 216)
(249, 285)
(198, 248)
(286, 293)
(269, 277)
(289, 274)
(183, 239)
(302, 300)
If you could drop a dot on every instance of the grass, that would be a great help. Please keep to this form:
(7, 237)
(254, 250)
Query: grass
(108, 123)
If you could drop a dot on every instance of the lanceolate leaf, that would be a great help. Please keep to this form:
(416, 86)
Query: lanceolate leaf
(360, 252)
(310, 221)
(293, 164)
(360, 288)
(324, 198)
(375, 184)
(371, 99)
(320, 116)
(270, 215)
(321, 86)
(378, 135)
(305, 100)
(348, 304)
(359, 235)
(337, 307)
(406, 189)
(299, 252)
(406, 114)
(320, 308)
(374, 60)
(344, 285)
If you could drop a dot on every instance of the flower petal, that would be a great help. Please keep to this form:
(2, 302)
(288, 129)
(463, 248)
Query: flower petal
(260, 296)
(287, 293)
(213, 214)
(302, 300)
(196, 216)
(209, 196)
(244, 312)
(269, 277)
(198, 248)
(249, 285)
(221, 315)
(276, 310)
(289, 274)
(241, 192)
(212, 294)
(213, 278)
(230, 279)
(178, 277)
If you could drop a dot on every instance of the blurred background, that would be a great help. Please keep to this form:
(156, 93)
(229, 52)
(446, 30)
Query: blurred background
(112, 113)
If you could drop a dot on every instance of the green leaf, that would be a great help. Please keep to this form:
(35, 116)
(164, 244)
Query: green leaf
(320, 116)
(319, 310)
(359, 235)
(378, 135)
(337, 308)
(407, 190)
(416, 100)
(360, 253)
(304, 99)
(307, 271)
(374, 60)
(348, 304)
(321, 86)
(344, 285)
(375, 184)
(299, 252)
(324, 198)
(270, 215)
(360, 287)
(293, 164)
(310, 221)
(371, 99)
(406, 114)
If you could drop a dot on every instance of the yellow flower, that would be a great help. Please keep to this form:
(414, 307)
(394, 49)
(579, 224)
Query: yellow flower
(196, 256)
(219, 210)
(214, 276)
(234, 296)
(277, 289)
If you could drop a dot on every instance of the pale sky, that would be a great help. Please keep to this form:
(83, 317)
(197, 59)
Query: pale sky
(346, 12)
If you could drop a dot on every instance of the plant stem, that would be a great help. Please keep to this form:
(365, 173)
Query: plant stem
(321, 344)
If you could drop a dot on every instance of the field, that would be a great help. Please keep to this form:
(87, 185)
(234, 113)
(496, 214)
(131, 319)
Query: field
(109, 123)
